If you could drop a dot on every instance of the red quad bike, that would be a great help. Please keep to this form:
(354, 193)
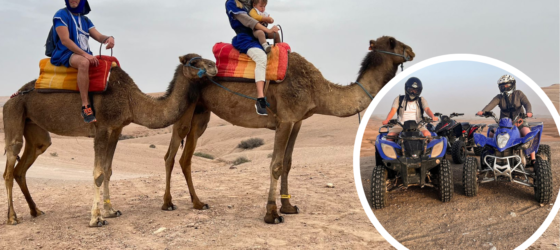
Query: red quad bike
(460, 136)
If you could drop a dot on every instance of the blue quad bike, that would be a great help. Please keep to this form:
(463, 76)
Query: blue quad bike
(409, 160)
(506, 158)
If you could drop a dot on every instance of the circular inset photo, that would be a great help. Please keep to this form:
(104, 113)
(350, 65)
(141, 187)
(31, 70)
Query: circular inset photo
(460, 152)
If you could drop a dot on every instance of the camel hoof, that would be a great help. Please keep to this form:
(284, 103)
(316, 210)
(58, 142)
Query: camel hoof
(114, 214)
(279, 220)
(37, 213)
(105, 222)
(205, 207)
(168, 207)
(12, 223)
(291, 210)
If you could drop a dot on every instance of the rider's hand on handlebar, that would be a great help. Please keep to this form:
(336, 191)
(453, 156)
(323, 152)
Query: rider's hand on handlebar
(385, 122)
(529, 115)
(479, 113)
(435, 119)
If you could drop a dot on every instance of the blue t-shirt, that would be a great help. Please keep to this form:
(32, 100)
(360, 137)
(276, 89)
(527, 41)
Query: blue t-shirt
(78, 30)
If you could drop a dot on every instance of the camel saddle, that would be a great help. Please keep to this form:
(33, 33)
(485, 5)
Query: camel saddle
(237, 67)
(57, 79)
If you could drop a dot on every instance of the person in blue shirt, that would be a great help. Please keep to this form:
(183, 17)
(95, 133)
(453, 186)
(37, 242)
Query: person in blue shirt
(71, 34)
(244, 26)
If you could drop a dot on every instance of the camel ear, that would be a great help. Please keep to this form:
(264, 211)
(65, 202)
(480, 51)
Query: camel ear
(183, 59)
(371, 44)
(392, 43)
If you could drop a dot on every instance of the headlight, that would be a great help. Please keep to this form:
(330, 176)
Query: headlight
(436, 150)
(502, 140)
(388, 151)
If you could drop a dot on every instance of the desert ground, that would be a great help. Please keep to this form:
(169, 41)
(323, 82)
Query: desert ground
(502, 215)
(61, 185)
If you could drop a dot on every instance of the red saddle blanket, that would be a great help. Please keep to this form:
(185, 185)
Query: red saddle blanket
(235, 66)
(62, 79)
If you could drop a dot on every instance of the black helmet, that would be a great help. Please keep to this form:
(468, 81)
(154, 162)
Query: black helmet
(413, 88)
(506, 83)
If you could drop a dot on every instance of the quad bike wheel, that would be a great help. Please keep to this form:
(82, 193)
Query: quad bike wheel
(543, 181)
(544, 153)
(445, 181)
(470, 170)
(379, 187)
(459, 152)
(477, 151)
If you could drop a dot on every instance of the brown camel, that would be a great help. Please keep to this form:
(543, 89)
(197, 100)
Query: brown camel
(33, 115)
(303, 93)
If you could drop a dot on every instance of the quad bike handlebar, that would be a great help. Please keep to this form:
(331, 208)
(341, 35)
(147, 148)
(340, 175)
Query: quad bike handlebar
(450, 116)
(488, 114)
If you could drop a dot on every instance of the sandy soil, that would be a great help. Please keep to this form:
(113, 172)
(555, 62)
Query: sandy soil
(62, 187)
(503, 215)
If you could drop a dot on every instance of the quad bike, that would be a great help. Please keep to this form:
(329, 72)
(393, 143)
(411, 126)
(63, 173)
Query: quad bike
(409, 160)
(459, 136)
(506, 158)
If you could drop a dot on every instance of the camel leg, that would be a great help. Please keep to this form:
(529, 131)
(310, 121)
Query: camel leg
(109, 212)
(283, 131)
(200, 121)
(14, 124)
(37, 140)
(100, 146)
(180, 130)
(287, 208)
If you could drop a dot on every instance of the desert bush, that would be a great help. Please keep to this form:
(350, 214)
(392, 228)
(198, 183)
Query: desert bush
(54, 154)
(152, 146)
(125, 137)
(204, 155)
(240, 161)
(251, 143)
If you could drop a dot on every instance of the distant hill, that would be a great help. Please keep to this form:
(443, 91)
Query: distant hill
(553, 92)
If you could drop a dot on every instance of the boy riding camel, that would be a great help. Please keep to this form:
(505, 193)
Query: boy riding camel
(71, 32)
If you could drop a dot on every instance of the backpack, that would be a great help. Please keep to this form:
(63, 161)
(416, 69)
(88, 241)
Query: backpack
(50, 44)
(418, 101)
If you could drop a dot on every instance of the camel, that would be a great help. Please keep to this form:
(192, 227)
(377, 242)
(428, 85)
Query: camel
(33, 115)
(303, 93)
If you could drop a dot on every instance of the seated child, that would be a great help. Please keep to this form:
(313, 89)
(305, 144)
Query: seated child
(259, 14)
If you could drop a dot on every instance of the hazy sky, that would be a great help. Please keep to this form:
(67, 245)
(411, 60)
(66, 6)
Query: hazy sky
(334, 35)
(461, 87)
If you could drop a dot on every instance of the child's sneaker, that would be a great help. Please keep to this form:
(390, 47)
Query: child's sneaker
(87, 114)
(261, 106)
(266, 47)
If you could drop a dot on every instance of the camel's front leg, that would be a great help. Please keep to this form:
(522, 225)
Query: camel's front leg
(180, 130)
(109, 212)
(285, 196)
(100, 145)
(199, 124)
(283, 131)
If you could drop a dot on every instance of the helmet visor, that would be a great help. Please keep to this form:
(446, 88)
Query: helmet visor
(413, 91)
(506, 87)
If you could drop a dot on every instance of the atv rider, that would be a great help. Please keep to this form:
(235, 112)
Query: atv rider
(510, 101)
(410, 107)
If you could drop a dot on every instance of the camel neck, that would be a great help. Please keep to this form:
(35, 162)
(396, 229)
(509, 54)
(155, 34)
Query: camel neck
(343, 101)
(163, 111)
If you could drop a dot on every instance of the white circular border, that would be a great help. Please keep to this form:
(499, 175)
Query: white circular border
(409, 71)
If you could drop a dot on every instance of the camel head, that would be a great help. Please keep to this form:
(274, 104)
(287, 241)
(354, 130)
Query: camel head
(390, 44)
(196, 66)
